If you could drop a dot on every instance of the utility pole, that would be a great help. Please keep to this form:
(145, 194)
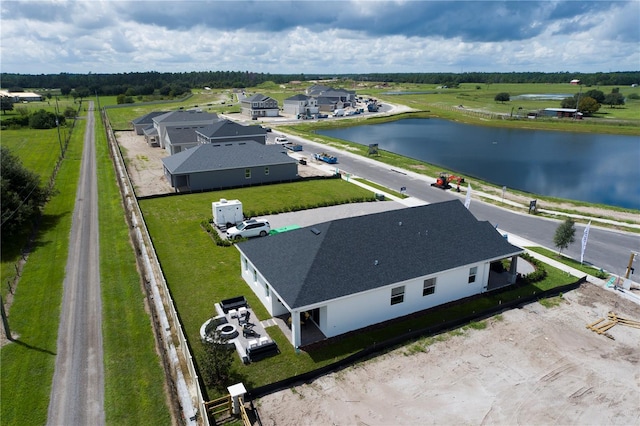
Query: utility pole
(58, 127)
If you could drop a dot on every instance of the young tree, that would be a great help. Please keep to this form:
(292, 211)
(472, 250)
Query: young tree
(502, 97)
(216, 363)
(565, 235)
(22, 197)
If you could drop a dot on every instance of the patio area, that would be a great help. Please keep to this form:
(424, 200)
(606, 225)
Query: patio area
(241, 328)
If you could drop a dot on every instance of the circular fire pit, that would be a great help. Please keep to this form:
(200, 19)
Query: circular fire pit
(228, 331)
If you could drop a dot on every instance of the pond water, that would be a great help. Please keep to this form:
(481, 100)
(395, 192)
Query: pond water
(580, 166)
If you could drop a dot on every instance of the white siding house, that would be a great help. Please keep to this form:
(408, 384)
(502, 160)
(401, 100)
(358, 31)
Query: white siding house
(301, 104)
(352, 273)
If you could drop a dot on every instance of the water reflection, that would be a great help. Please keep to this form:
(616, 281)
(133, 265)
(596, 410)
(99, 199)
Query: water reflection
(588, 167)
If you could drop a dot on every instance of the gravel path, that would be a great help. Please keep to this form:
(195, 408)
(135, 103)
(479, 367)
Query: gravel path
(77, 393)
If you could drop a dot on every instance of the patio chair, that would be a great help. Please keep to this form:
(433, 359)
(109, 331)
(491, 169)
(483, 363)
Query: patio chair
(244, 319)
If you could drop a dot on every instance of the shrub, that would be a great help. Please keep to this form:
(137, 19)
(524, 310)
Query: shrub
(206, 225)
(539, 274)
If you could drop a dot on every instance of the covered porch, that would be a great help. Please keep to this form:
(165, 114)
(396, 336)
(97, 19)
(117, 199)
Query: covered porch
(308, 330)
(501, 276)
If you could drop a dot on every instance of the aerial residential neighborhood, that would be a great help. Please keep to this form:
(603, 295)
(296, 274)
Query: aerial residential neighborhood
(303, 213)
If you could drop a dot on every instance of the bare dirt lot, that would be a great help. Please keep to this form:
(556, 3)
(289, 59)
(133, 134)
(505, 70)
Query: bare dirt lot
(533, 365)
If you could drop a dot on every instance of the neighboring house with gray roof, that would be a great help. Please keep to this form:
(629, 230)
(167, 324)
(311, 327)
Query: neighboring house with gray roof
(355, 272)
(181, 119)
(181, 138)
(228, 131)
(327, 105)
(347, 97)
(259, 105)
(145, 122)
(300, 104)
(224, 165)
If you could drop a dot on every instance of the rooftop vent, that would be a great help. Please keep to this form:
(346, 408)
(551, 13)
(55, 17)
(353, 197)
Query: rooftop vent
(400, 223)
(316, 231)
(375, 262)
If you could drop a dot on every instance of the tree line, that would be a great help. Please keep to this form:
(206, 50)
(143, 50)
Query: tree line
(140, 83)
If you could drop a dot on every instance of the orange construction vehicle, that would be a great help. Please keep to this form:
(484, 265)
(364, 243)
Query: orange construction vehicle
(443, 181)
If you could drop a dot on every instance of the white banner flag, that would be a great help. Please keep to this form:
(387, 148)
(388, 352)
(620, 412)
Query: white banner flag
(467, 200)
(585, 237)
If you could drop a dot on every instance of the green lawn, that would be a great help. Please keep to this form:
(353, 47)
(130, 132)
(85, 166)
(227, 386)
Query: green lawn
(38, 151)
(471, 98)
(28, 365)
(134, 378)
(585, 267)
(208, 101)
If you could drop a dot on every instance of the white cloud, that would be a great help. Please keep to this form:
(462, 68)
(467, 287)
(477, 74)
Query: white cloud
(312, 37)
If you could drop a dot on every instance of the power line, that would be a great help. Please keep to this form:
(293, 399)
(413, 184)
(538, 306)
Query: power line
(20, 205)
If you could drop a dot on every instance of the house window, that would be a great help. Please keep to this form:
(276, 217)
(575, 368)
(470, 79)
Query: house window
(267, 290)
(247, 173)
(429, 286)
(472, 274)
(245, 264)
(255, 276)
(266, 170)
(397, 295)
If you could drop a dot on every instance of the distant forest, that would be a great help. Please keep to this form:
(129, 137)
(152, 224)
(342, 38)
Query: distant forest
(148, 82)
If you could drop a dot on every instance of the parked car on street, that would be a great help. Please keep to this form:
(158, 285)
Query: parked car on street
(282, 139)
(249, 228)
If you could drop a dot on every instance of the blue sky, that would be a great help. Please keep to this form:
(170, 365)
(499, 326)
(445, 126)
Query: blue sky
(292, 37)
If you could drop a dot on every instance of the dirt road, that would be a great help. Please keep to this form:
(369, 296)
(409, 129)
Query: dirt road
(77, 393)
(533, 365)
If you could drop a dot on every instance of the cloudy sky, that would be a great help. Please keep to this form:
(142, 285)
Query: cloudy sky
(348, 36)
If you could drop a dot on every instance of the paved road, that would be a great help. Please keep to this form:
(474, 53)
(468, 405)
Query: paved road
(606, 249)
(77, 394)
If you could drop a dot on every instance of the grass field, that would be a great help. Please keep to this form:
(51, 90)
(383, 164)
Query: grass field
(134, 378)
(208, 101)
(28, 365)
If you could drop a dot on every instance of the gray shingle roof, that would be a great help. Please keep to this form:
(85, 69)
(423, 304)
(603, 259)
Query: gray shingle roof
(297, 98)
(406, 244)
(178, 135)
(148, 118)
(185, 116)
(258, 97)
(225, 128)
(208, 157)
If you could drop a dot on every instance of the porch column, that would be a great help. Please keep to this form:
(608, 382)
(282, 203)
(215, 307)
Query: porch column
(295, 328)
(513, 269)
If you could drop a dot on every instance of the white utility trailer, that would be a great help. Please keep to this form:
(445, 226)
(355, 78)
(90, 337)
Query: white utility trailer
(227, 213)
